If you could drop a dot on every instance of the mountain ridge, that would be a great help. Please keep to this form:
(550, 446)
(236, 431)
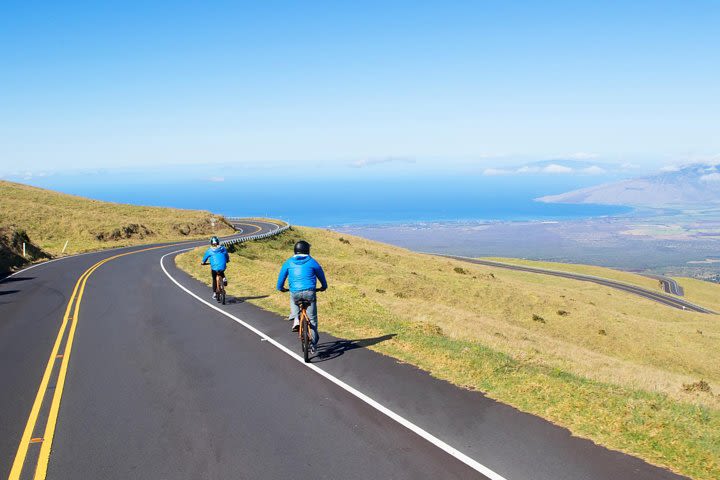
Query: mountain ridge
(695, 184)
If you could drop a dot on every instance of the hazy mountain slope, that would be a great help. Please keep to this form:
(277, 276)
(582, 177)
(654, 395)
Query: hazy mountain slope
(697, 184)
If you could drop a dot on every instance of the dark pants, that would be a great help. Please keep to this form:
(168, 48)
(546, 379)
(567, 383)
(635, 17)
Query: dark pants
(219, 274)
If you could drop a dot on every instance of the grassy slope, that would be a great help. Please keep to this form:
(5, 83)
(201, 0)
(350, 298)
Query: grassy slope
(696, 291)
(51, 218)
(475, 328)
(625, 277)
(701, 292)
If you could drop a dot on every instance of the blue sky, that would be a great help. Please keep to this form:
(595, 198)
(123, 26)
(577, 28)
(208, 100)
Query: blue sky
(343, 85)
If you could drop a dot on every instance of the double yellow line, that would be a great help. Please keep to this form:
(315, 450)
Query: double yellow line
(71, 317)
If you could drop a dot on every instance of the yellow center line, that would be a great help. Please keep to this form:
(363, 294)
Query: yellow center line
(26, 439)
(259, 228)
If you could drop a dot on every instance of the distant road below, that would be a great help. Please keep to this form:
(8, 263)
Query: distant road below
(642, 292)
(668, 284)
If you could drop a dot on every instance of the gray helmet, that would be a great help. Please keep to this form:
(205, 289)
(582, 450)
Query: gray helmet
(214, 241)
(302, 247)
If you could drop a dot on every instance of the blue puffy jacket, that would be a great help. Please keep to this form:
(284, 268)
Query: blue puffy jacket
(302, 272)
(218, 258)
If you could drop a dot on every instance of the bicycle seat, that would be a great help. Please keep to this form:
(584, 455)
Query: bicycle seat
(303, 303)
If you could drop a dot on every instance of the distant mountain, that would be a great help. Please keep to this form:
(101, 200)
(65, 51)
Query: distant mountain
(697, 184)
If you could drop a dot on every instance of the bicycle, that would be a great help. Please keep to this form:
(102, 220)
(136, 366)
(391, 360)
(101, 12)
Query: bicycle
(219, 286)
(304, 329)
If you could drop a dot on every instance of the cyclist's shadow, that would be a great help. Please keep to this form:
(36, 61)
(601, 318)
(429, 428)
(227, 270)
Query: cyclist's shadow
(232, 300)
(330, 350)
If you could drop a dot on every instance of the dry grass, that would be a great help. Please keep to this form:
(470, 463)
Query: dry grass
(51, 218)
(474, 326)
(609, 273)
(701, 292)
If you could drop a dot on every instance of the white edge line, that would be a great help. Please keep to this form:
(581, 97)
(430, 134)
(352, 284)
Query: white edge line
(381, 408)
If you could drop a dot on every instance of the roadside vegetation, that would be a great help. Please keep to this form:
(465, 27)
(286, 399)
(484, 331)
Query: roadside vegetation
(618, 369)
(49, 219)
(696, 291)
(609, 273)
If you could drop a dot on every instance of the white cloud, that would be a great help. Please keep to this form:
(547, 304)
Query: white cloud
(711, 177)
(670, 168)
(490, 172)
(378, 161)
(217, 179)
(555, 168)
(527, 169)
(594, 170)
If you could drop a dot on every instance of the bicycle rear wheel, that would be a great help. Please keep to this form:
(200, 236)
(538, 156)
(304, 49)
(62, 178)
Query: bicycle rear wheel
(305, 339)
(222, 293)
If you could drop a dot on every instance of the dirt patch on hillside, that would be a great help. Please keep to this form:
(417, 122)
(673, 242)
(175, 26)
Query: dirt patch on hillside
(132, 230)
(11, 249)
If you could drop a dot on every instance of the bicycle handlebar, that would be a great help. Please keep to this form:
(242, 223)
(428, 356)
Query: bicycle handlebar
(284, 290)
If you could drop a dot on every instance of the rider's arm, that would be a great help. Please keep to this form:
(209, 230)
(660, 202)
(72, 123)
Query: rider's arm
(282, 277)
(206, 256)
(320, 274)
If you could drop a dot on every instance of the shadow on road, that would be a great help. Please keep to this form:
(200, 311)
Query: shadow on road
(15, 279)
(331, 350)
(8, 292)
(233, 300)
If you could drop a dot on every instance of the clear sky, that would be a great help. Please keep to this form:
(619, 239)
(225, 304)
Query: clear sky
(348, 84)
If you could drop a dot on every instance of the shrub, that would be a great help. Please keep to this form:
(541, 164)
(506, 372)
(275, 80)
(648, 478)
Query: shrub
(538, 318)
(563, 313)
(701, 386)
(460, 270)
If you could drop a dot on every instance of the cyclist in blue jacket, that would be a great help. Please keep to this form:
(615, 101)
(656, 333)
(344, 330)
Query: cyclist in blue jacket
(219, 257)
(303, 272)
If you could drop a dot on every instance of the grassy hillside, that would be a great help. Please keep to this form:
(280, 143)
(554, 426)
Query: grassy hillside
(11, 249)
(51, 219)
(615, 368)
(696, 291)
(609, 273)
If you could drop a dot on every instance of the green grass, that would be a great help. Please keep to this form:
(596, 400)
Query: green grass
(51, 219)
(473, 326)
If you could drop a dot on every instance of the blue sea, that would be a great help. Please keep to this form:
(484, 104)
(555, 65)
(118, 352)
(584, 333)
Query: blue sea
(318, 201)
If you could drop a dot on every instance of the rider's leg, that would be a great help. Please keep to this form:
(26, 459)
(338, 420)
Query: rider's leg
(313, 316)
(214, 275)
(294, 311)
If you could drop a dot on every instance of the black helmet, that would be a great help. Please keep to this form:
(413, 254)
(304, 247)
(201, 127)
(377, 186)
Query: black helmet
(302, 247)
(214, 241)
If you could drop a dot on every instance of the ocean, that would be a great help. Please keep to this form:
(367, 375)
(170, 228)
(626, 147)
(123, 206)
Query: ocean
(327, 202)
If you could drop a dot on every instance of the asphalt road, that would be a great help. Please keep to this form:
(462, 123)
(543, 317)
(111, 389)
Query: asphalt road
(678, 303)
(669, 285)
(156, 381)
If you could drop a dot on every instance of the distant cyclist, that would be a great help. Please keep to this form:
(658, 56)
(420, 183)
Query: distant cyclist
(303, 272)
(219, 257)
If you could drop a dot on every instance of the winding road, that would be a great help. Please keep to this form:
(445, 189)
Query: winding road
(674, 302)
(117, 365)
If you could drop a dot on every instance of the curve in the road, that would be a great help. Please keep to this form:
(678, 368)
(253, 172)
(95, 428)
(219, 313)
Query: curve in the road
(678, 303)
(669, 285)
(161, 386)
(46, 405)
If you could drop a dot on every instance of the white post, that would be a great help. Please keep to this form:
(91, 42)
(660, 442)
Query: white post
(24, 250)
(66, 242)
